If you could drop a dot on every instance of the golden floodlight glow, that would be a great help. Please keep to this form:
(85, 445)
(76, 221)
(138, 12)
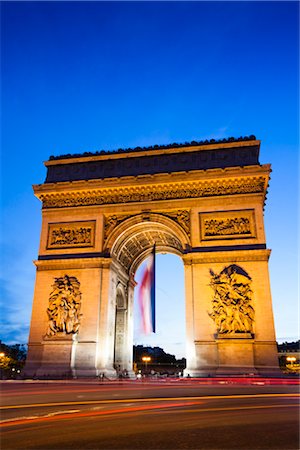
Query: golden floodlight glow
(291, 359)
(146, 358)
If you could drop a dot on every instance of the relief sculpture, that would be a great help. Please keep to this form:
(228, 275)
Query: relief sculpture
(112, 221)
(76, 234)
(230, 226)
(231, 305)
(64, 306)
(238, 224)
(182, 217)
(64, 236)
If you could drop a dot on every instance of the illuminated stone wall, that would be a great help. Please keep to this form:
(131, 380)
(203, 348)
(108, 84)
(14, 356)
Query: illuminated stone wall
(98, 231)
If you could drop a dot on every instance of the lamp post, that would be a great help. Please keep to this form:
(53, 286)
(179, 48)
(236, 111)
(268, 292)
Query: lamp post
(146, 360)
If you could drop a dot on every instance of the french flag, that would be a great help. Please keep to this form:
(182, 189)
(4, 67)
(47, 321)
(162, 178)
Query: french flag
(147, 296)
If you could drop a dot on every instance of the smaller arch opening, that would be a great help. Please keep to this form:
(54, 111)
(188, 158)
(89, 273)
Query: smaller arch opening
(120, 331)
(120, 301)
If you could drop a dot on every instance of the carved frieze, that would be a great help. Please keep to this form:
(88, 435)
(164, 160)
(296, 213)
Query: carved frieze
(64, 306)
(167, 191)
(227, 225)
(232, 310)
(71, 234)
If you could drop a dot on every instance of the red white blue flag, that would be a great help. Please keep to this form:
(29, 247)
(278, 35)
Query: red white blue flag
(147, 296)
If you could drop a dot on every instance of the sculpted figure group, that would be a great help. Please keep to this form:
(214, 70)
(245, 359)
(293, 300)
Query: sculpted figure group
(237, 225)
(67, 236)
(64, 306)
(231, 305)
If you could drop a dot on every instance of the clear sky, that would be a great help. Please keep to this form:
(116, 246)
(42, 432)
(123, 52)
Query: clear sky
(80, 76)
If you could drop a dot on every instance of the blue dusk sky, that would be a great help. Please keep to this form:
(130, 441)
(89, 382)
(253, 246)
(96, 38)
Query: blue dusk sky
(87, 76)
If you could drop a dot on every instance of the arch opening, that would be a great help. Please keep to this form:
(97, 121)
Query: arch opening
(130, 244)
(133, 240)
(170, 333)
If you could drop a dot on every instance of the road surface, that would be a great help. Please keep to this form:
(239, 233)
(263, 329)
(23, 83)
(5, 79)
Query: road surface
(149, 416)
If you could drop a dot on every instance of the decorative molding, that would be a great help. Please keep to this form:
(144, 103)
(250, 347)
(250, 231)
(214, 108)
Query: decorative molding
(225, 248)
(75, 263)
(227, 225)
(73, 256)
(236, 257)
(147, 193)
(235, 336)
(71, 235)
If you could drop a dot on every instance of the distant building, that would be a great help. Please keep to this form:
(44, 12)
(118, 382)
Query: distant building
(289, 356)
(160, 362)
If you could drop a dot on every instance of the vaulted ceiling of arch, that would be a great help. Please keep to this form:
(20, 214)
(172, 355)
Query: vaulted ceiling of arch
(133, 246)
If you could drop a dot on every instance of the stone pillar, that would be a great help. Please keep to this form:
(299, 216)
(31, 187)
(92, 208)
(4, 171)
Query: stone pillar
(106, 330)
(201, 351)
(65, 354)
(48, 356)
(265, 347)
(128, 347)
(210, 352)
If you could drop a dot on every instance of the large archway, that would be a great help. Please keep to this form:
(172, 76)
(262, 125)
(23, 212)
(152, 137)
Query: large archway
(129, 243)
(101, 216)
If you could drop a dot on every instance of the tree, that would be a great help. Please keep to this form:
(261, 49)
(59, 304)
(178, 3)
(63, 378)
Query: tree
(12, 359)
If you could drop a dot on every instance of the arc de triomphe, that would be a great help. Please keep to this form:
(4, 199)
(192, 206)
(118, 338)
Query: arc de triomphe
(101, 215)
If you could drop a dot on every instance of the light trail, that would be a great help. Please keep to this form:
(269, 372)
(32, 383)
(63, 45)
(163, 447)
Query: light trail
(153, 399)
(239, 408)
(67, 415)
(73, 414)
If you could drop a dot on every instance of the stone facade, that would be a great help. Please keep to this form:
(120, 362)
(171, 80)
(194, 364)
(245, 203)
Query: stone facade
(96, 231)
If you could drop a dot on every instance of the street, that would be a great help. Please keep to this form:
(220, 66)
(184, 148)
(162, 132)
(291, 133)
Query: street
(144, 415)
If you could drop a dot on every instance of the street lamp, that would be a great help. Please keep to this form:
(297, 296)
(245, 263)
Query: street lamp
(291, 359)
(146, 360)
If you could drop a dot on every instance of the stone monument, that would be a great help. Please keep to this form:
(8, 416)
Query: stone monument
(101, 215)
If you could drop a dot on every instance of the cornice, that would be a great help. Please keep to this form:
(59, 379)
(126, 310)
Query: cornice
(155, 192)
(192, 175)
(215, 182)
(76, 263)
(226, 257)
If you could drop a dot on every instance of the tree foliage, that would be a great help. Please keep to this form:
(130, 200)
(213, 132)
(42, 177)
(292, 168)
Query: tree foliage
(12, 359)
